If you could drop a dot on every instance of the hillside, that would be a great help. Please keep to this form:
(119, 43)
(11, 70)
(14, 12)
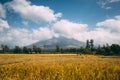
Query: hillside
(60, 41)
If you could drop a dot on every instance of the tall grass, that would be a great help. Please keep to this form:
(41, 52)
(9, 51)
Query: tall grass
(59, 67)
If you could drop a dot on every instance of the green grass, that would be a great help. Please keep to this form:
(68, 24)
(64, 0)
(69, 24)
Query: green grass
(59, 67)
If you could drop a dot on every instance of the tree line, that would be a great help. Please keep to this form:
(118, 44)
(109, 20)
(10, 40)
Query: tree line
(17, 49)
(107, 49)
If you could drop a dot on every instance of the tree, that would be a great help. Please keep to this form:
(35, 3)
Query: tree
(89, 47)
(35, 49)
(4, 48)
(108, 50)
(57, 48)
(87, 44)
(30, 50)
(61, 50)
(25, 50)
(115, 48)
(39, 50)
(100, 50)
(91, 44)
(17, 49)
(87, 51)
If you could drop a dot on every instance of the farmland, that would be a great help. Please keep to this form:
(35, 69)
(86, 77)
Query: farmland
(59, 67)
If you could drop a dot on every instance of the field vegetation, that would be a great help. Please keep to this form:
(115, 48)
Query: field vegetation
(59, 67)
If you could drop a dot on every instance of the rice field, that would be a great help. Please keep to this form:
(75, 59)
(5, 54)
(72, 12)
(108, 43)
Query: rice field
(59, 67)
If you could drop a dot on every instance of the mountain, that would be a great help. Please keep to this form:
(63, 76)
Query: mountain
(62, 42)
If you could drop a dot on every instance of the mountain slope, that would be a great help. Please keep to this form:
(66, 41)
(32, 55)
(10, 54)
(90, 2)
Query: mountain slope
(61, 42)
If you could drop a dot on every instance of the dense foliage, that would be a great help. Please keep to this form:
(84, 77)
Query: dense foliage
(107, 49)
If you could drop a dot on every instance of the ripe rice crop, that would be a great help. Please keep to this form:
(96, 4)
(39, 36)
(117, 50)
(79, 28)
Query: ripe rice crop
(58, 67)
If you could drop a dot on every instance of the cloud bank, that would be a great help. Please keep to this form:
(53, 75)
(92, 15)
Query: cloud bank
(107, 31)
(2, 11)
(3, 24)
(33, 12)
(68, 29)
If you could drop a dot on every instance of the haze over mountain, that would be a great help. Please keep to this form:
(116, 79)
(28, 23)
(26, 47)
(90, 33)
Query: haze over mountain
(62, 42)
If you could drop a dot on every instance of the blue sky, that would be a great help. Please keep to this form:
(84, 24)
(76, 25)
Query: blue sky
(35, 20)
(83, 11)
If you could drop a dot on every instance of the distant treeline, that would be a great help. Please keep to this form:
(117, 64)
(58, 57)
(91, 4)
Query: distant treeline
(107, 49)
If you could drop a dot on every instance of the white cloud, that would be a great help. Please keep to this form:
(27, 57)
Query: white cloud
(112, 1)
(17, 37)
(2, 11)
(3, 24)
(25, 23)
(104, 3)
(110, 29)
(68, 29)
(103, 36)
(108, 34)
(22, 37)
(33, 12)
(117, 17)
(42, 33)
(111, 24)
